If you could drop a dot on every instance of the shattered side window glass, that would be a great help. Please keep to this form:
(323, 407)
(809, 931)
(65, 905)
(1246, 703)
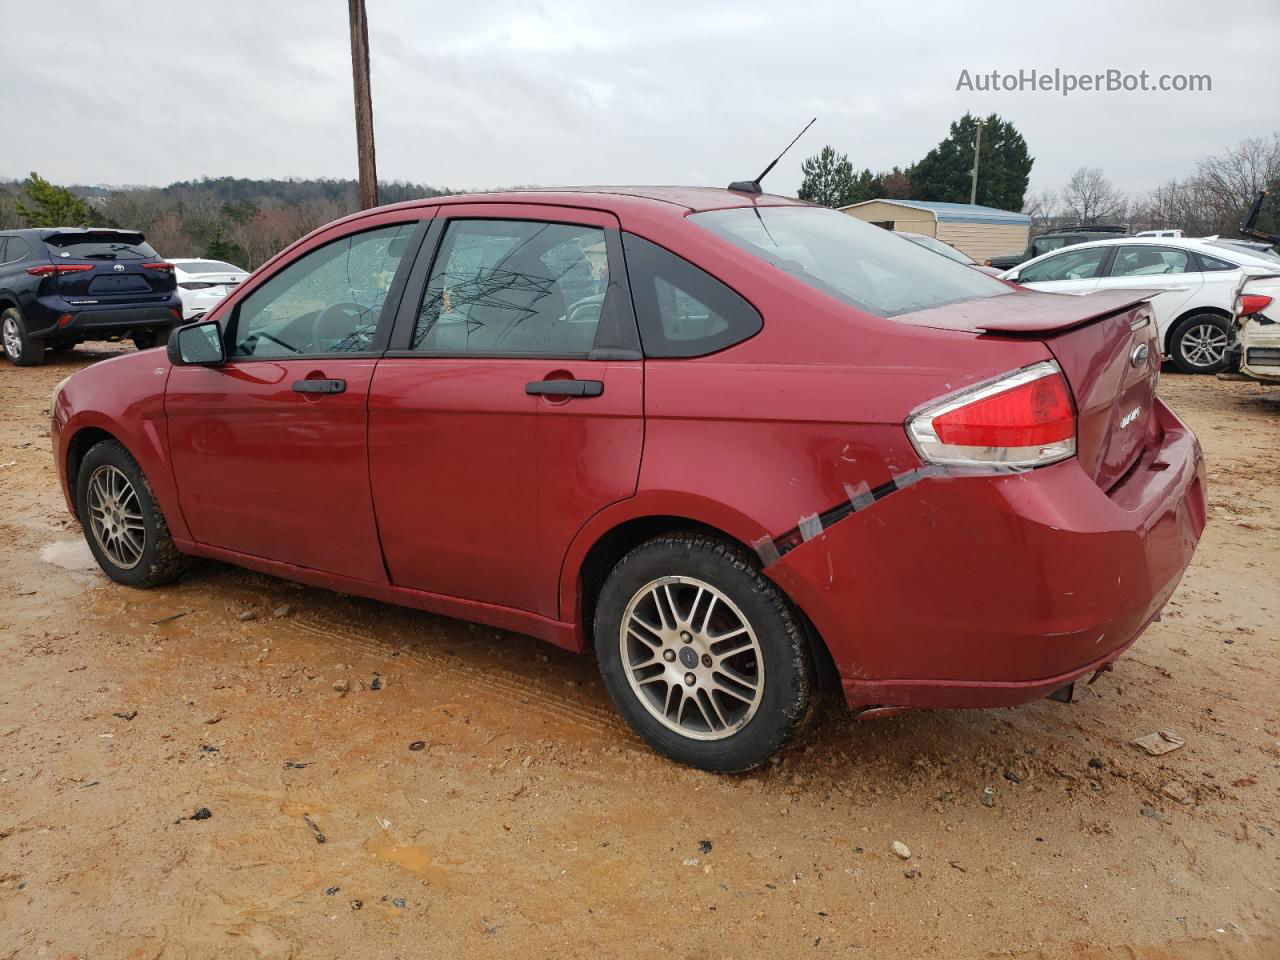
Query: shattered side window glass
(514, 288)
(327, 301)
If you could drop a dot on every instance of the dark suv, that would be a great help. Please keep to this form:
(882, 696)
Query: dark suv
(60, 286)
(1065, 237)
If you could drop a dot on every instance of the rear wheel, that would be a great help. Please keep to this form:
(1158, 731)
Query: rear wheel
(704, 656)
(1199, 343)
(20, 348)
(146, 339)
(122, 523)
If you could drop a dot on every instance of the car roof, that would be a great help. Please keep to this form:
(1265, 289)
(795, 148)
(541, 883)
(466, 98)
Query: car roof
(675, 199)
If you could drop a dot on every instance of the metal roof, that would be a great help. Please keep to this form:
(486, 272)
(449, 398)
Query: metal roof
(956, 212)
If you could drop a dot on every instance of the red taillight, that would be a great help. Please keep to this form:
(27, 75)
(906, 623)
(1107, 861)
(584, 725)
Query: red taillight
(1024, 416)
(65, 320)
(1023, 419)
(1251, 303)
(158, 266)
(46, 269)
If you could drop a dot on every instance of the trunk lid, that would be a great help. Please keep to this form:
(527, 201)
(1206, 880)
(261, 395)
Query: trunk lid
(117, 262)
(1108, 347)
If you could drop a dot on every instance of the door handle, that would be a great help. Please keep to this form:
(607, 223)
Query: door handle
(564, 388)
(319, 386)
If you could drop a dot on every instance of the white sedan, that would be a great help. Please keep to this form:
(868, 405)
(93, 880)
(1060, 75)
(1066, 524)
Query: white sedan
(1198, 280)
(203, 283)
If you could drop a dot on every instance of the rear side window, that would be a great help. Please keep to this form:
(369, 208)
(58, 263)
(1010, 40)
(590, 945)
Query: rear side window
(14, 250)
(1213, 264)
(82, 246)
(683, 311)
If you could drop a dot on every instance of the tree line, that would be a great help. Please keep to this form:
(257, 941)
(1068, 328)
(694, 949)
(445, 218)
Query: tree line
(243, 221)
(247, 221)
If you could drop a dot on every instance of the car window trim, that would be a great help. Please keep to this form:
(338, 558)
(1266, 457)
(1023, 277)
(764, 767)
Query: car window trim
(416, 289)
(390, 305)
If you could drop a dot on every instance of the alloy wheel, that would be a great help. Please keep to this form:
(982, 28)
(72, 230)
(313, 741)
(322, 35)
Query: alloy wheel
(1203, 345)
(692, 658)
(115, 517)
(12, 338)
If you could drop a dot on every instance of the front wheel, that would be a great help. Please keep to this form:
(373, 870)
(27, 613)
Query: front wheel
(704, 656)
(123, 525)
(1199, 343)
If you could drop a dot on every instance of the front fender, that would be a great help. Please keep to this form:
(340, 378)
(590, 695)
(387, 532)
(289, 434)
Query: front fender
(122, 397)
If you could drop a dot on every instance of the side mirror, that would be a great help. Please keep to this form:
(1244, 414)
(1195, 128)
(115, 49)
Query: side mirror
(199, 344)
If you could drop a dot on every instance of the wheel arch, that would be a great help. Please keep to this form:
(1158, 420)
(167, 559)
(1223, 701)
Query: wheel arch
(611, 542)
(80, 443)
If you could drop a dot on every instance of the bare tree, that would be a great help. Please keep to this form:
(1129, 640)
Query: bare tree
(1089, 198)
(1041, 207)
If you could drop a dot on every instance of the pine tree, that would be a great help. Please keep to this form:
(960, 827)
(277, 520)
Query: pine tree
(1003, 172)
(221, 247)
(45, 205)
(828, 179)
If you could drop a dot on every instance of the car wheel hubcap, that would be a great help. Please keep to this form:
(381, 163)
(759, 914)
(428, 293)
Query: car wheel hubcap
(115, 517)
(1204, 345)
(692, 658)
(12, 341)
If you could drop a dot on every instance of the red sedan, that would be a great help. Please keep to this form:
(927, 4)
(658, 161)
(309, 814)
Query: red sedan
(737, 444)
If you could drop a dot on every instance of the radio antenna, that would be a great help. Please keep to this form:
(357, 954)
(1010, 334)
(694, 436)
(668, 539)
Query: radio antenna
(753, 186)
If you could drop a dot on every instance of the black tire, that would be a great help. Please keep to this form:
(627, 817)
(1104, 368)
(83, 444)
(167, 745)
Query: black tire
(1188, 340)
(788, 689)
(19, 347)
(159, 561)
(146, 339)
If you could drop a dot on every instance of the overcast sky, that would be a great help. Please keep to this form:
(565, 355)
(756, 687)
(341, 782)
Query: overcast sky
(495, 93)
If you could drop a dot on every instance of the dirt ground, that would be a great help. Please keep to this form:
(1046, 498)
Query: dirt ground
(530, 822)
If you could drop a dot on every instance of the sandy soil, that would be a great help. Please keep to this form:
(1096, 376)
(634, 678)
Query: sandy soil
(531, 822)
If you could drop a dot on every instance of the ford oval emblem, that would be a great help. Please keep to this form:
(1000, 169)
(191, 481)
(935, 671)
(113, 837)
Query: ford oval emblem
(1139, 355)
(118, 268)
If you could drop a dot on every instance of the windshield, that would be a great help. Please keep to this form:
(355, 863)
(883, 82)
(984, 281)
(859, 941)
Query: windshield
(863, 265)
(938, 246)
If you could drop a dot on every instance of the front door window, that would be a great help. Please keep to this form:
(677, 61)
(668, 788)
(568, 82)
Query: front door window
(326, 302)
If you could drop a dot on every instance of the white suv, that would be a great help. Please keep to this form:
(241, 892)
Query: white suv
(1197, 280)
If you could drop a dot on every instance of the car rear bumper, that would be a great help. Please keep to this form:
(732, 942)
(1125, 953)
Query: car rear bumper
(964, 591)
(87, 320)
(1260, 351)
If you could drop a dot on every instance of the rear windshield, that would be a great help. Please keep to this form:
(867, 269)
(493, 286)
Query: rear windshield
(100, 247)
(1248, 251)
(844, 257)
(208, 266)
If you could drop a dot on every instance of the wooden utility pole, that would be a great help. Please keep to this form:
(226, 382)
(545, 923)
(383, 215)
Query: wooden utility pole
(364, 104)
(977, 152)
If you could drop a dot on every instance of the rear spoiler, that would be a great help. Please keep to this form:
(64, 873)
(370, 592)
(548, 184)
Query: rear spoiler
(1028, 311)
(119, 236)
